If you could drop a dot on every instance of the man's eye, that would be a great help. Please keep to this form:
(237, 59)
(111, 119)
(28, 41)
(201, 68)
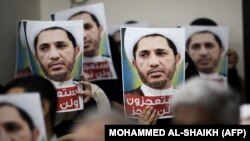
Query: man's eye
(12, 127)
(209, 45)
(87, 26)
(196, 46)
(43, 48)
(143, 55)
(61, 45)
(161, 53)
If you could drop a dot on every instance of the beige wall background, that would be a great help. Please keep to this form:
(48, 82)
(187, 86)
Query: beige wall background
(11, 12)
(157, 13)
(167, 13)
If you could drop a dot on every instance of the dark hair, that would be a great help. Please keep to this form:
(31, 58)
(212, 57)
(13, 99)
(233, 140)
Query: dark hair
(1, 89)
(203, 22)
(69, 35)
(131, 22)
(170, 43)
(216, 37)
(93, 17)
(24, 115)
(35, 83)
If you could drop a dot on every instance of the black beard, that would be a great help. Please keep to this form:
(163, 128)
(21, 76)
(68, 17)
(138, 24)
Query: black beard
(58, 77)
(155, 84)
(160, 84)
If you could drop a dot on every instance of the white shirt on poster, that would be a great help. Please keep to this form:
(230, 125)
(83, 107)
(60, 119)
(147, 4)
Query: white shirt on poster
(148, 91)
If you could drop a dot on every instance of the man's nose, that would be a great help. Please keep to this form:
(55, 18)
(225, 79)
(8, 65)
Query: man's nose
(154, 61)
(54, 53)
(85, 35)
(203, 50)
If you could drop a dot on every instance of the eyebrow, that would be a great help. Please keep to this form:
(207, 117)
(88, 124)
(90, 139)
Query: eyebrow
(43, 44)
(57, 42)
(61, 42)
(87, 25)
(158, 49)
(143, 51)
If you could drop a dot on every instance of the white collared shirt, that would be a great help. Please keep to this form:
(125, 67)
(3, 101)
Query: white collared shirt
(212, 76)
(216, 77)
(147, 91)
(64, 83)
(98, 58)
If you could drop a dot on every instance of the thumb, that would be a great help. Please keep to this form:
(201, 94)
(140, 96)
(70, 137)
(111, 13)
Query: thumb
(86, 96)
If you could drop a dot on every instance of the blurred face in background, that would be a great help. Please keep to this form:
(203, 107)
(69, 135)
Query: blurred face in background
(92, 34)
(13, 127)
(205, 52)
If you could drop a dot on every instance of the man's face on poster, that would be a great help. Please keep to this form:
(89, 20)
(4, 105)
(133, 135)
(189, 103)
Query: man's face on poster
(13, 127)
(155, 62)
(92, 34)
(205, 52)
(56, 54)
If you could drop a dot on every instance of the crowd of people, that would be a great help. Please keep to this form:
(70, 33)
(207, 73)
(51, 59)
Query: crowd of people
(154, 56)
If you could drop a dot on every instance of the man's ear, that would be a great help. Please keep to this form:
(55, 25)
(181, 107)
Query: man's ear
(36, 55)
(177, 58)
(77, 50)
(35, 134)
(134, 63)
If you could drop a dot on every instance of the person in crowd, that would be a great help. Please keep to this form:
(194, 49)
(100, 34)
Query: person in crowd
(92, 33)
(205, 49)
(234, 80)
(48, 95)
(92, 127)
(92, 38)
(205, 102)
(16, 124)
(155, 58)
(56, 48)
(245, 114)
